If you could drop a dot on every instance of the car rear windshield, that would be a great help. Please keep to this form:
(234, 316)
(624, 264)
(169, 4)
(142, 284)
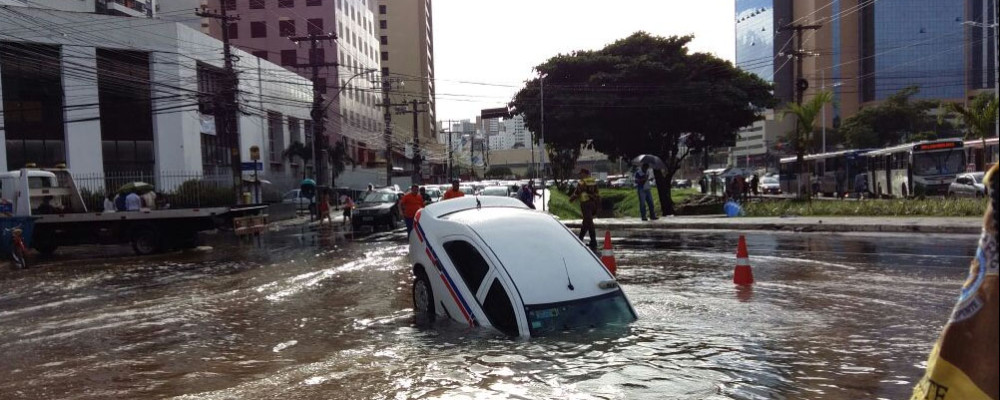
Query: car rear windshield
(379, 197)
(606, 309)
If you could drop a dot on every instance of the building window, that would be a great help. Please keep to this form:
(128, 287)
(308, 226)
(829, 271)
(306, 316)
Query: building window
(317, 56)
(258, 29)
(256, 4)
(385, 71)
(381, 9)
(286, 3)
(289, 58)
(275, 139)
(233, 29)
(126, 110)
(314, 26)
(384, 40)
(260, 54)
(385, 56)
(286, 28)
(321, 85)
(33, 104)
(230, 5)
(383, 24)
(313, 3)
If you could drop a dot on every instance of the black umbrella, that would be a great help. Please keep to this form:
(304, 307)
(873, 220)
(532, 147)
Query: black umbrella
(653, 161)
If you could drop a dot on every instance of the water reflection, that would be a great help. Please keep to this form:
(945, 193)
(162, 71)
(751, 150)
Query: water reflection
(313, 315)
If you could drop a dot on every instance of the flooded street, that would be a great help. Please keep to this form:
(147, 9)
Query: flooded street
(315, 316)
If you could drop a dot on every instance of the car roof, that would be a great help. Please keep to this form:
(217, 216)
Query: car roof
(539, 254)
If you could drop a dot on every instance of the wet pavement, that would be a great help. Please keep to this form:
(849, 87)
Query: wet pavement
(315, 315)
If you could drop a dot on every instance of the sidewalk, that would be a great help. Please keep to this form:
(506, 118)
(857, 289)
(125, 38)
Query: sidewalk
(961, 225)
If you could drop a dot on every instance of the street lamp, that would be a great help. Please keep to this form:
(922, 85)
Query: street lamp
(996, 59)
(541, 145)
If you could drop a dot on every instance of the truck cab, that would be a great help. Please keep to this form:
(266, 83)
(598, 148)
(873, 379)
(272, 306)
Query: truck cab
(56, 185)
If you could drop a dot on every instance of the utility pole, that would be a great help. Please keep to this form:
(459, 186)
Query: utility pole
(417, 176)
(319, 142)
(387, 86)
(225, 102)
(801, 84)
(450, 151)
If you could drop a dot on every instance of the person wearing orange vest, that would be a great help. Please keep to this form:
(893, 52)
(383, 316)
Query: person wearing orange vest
(453, 192)
(409, 205)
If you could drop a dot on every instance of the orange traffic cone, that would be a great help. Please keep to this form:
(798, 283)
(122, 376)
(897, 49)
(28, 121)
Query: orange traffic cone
(742, 275)
(608, 255)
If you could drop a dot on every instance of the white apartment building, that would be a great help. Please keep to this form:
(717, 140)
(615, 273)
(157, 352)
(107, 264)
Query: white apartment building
(104, 94)
(362, 116)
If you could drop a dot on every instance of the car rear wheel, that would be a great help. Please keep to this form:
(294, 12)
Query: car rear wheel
(423, 299)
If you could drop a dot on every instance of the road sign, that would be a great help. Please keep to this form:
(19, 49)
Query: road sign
(254, 153)
(253, 166)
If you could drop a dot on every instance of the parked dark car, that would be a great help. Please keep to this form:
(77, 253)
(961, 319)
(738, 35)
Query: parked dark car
(377, 209)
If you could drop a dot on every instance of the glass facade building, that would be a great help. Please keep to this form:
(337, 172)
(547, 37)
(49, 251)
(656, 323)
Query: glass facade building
(755, 37)
(913, 43)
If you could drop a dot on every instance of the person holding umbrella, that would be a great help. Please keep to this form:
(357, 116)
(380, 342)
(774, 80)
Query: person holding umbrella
(642, 186)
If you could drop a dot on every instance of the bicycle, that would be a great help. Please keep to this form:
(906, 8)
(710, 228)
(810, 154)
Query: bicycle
(17, 249)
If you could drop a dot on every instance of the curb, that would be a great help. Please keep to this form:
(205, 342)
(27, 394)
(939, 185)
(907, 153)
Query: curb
(787, 227)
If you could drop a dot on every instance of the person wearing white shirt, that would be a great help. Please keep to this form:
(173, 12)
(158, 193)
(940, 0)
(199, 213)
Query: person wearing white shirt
(109, 204)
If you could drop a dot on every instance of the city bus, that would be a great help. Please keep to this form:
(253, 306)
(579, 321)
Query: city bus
(915, 169)
(979, 159)
(823, 171)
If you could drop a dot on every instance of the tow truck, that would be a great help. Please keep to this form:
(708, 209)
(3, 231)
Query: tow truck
(149, 231)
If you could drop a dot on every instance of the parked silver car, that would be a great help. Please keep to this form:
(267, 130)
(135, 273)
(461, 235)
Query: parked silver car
(968, 185)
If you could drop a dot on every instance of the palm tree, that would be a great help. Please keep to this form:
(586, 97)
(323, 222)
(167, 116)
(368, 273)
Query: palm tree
(338, 158)
(805, 124)
(979, 117)
(303, 151)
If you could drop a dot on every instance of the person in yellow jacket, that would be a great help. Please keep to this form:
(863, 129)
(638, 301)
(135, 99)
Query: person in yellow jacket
(964, 364)
(586, 192)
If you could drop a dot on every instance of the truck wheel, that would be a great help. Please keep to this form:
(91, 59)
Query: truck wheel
(145, 241)
(423, 299)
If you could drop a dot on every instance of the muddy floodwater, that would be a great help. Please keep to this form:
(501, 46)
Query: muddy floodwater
(318, 316)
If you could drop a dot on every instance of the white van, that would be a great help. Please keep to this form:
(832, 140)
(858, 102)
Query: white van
(493, 262)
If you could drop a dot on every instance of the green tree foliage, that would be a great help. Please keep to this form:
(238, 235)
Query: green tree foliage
(805, 123)
(896, 120)
(642, 94)
(980, 117)
(338, 158)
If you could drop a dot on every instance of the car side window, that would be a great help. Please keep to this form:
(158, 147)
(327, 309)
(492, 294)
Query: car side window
(469, 263)
(499, 310)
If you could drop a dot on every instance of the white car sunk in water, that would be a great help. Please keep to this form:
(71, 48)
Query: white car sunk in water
(493, 262)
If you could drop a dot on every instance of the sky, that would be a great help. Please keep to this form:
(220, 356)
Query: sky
(484, 50)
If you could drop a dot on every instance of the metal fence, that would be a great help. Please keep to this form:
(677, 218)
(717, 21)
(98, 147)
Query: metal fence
(174, 189)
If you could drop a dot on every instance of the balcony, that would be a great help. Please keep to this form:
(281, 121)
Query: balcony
(128, 8)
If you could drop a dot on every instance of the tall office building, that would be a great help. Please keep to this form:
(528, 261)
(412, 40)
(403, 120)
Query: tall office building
(264, 30)
(407, 54)
(864, 51)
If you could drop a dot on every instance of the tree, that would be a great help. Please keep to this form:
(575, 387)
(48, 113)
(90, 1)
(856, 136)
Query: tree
(642, 94)
(303, 151)
(980, 117)
(895, 120)
(805, 124)
(338, 157)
